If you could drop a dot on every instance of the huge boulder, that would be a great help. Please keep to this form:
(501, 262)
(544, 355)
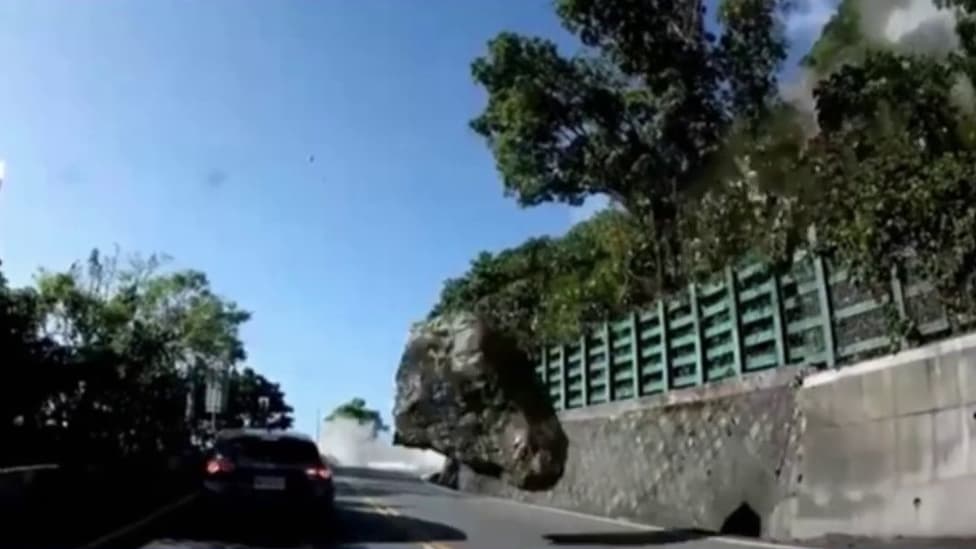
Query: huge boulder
(467, 391)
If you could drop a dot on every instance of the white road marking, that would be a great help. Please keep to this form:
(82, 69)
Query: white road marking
(141, 522)
(29, 468)
(618, 522)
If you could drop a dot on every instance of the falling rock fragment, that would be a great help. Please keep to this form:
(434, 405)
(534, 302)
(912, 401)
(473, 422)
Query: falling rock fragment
(467, 391)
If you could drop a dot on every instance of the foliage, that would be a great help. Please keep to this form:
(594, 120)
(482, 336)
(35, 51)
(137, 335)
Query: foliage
(103, 302)
(841, 40)
(594, 276)
(507, 287)
(756, 212)
(886, 183)
(896, 161)
(685, 134)
(650, 119)
(100, 359)
(30, 362)
(356, 410)
(643, 116)
(246, 390)
(547, 289)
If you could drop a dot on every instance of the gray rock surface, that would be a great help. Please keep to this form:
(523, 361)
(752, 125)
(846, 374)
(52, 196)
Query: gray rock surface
(467, 391)
(447, 476)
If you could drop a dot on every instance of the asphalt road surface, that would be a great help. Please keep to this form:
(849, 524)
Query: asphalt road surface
(377, 509)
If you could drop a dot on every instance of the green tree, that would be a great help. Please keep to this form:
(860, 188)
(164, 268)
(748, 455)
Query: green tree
(548, 289)
(756, 212)
(356, 410)
(31, 364)
(247, 390)
(841, 41)
(507, 287)
(593, 276)
(705, 166)
(896, 161)
(104, 300)
(886, 183)
(101, 355)
(644, 116)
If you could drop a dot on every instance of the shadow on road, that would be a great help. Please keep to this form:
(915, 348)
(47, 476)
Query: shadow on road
(361, 525)
(73, 505)
(351, 525)
(645, 537)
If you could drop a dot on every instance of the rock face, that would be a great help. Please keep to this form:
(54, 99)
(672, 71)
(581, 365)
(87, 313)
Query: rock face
(468, 392)
(448, 475)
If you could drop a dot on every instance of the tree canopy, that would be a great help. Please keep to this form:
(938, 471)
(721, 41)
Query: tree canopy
(706, 163)
(644, 115)
(103, 356)
(547, 288)
(252, 400)
(357, 411)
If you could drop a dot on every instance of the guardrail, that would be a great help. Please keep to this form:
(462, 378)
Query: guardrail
(747, 320)
(19, 489)
(28, 468)
(16, 480)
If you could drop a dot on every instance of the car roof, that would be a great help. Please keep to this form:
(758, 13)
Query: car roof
(264, 434)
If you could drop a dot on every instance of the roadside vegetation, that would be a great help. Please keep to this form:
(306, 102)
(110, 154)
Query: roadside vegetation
(106, 361)
(357, 411)
(707, 158)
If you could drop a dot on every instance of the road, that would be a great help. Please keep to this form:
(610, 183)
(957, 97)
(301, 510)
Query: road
(390, 510)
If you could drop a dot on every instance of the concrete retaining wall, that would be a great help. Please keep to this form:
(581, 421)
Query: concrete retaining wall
(685, 459)
(890, 446)
(884, 448)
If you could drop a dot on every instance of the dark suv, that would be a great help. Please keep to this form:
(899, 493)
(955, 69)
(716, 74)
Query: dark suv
(262, 469)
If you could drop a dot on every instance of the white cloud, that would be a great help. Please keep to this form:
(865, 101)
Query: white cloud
(3, 171)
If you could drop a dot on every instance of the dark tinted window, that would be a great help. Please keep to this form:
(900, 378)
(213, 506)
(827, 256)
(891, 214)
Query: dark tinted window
(284, 451)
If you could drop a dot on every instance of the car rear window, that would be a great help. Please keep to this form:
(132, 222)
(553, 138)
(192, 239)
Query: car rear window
(284, 451)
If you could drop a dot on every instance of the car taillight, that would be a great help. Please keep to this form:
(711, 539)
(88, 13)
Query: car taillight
(320, 472)
(219, 465)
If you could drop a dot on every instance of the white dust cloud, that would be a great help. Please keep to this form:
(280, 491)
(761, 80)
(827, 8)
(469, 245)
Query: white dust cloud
(908, 26)
(351, 444)
(914, 25)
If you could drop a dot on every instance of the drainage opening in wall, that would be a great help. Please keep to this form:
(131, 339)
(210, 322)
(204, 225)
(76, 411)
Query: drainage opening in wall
(744, 521)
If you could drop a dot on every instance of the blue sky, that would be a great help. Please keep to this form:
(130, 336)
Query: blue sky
(187, 127)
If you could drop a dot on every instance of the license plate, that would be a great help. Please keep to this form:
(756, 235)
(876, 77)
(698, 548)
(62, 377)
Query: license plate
(269, 483)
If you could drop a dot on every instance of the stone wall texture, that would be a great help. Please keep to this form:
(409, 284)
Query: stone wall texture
(686, 459)
(881, 449)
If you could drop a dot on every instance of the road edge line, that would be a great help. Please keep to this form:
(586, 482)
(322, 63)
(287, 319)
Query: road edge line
(615, 521)
(132, 526)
